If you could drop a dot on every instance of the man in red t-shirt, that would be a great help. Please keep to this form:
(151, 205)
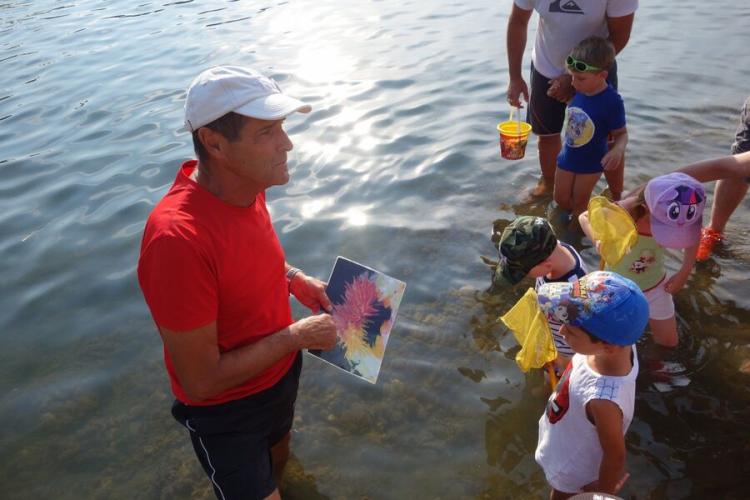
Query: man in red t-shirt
(216, 280)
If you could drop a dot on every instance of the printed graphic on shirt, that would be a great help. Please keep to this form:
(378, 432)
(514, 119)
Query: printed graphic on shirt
(578, 127)
(559, 401)
(644, 261)
(568, 7)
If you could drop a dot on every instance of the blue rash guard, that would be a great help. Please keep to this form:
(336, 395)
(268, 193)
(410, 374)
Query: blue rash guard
(588, 122)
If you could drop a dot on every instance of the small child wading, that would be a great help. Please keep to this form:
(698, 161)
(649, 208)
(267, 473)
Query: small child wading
(581, 443)
(668, 213)
(595, 113)
(529, 247)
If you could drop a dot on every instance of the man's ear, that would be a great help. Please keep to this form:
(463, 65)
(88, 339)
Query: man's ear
(213, 142)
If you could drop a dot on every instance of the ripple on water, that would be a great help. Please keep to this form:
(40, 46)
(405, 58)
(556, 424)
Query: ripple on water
(397, 167)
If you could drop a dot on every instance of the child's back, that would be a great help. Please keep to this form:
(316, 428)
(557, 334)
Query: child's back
(644, 263)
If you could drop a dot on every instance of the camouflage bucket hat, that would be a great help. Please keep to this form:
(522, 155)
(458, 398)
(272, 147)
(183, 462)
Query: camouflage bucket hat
(526, 242)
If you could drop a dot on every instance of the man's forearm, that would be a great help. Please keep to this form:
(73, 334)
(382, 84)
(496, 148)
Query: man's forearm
(516, 44)
(725, 167)
(233, 368)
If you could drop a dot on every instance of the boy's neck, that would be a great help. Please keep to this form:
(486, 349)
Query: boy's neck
(616, 361)
(561, 262)
(601, 88)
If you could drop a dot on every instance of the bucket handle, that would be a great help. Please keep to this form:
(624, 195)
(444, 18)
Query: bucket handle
(517, 112)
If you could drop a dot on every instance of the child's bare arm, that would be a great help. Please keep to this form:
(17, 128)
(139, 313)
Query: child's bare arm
(583, 221)
(613, 157)
(675, 283)
(607, 418)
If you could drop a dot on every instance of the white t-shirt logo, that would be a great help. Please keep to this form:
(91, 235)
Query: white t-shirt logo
(569, 7)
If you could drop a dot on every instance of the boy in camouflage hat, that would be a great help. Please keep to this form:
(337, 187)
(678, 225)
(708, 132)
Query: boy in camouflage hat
(528, 247)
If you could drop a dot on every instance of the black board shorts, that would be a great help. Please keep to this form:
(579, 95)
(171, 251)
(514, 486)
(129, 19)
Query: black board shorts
(545, 114)
(233, 440)
(742, 137)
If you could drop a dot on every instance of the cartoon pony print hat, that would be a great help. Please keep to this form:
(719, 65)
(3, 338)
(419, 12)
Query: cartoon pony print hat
(676, 204)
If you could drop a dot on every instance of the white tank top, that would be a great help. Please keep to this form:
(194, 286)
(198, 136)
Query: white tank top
(568, 448)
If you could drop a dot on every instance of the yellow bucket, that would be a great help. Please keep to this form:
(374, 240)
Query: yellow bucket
(514, 134)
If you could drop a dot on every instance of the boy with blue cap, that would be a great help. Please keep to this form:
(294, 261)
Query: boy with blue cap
(581, 443)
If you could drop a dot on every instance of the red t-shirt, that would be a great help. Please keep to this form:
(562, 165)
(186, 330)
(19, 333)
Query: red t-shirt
(203, 260)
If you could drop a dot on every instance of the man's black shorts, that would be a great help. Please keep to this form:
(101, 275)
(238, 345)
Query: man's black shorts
(233, 440)
(742, 138)
(546, 114)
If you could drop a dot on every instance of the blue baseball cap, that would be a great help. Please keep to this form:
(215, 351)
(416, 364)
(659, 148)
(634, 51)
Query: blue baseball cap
(605, 304)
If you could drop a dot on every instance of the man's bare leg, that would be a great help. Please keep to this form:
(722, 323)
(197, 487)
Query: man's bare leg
(549, 147)
(727, 197)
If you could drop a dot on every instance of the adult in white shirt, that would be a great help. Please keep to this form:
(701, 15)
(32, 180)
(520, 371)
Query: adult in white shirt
(562, 24)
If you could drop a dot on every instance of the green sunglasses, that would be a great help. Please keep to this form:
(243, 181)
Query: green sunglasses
(580, 65)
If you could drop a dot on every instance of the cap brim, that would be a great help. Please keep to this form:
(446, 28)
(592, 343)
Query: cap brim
(508, 274)
(500, 279)
(273, 107)
(676, 237)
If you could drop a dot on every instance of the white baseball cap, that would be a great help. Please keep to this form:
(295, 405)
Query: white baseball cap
(222, 89)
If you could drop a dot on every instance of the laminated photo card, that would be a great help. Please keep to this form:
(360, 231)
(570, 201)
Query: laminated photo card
(365, 303)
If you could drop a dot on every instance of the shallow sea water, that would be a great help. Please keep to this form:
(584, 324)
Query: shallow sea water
(397, 167)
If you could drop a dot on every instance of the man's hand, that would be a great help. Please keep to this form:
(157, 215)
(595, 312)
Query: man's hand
(315, 332)
(517, 88)
(310, 292)
(561, 88)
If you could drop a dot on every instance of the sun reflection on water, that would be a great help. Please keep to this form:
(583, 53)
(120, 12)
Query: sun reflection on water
(356, 217)
(312, 208)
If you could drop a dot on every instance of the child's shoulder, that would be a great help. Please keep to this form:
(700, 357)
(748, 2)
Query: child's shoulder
(612, 95)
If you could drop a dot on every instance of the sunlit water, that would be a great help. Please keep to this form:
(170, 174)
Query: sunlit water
(398, 168)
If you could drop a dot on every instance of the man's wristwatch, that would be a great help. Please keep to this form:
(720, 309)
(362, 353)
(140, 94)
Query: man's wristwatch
(290, 274)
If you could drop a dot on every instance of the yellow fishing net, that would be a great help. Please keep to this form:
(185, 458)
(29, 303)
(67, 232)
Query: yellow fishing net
(613, 227)
(530, 327)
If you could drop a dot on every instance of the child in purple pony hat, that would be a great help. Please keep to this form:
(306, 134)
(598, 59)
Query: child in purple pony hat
(668, 213)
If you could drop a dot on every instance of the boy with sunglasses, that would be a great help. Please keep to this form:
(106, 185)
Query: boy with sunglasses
(595, 113)
(560, 26)
(581, 443)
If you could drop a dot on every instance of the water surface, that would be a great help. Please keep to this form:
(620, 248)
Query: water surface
(397, 167)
